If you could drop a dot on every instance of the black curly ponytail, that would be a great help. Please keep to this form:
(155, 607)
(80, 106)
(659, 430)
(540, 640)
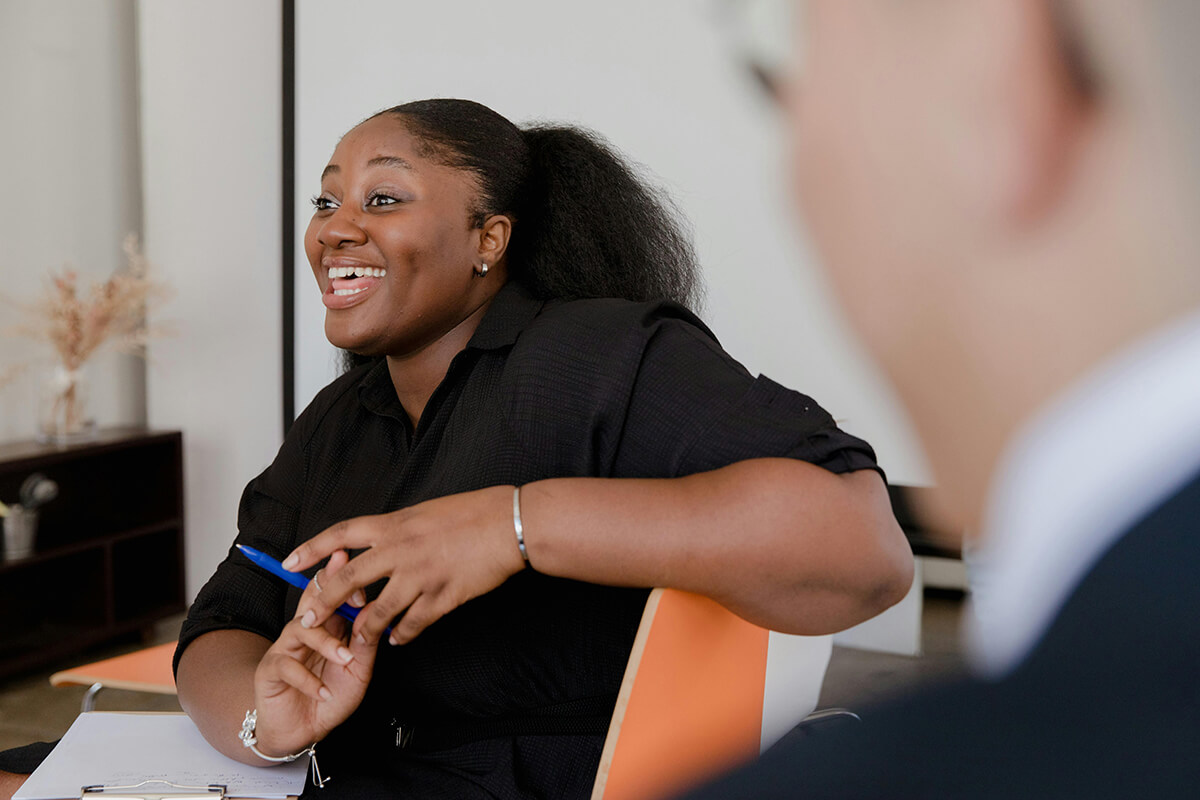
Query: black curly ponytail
(594, 229)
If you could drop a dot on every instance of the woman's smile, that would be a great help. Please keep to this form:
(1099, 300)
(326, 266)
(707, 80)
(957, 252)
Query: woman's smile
(349, 282)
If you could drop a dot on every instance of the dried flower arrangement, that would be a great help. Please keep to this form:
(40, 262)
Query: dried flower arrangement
(76, 325)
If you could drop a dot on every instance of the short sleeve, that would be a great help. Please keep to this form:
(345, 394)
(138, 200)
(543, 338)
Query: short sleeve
(694, 408)
(240, 595)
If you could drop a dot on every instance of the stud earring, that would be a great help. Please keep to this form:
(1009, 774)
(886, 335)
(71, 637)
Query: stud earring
(482, 270)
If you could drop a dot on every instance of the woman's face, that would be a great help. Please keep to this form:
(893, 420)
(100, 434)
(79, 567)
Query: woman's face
(391, 244)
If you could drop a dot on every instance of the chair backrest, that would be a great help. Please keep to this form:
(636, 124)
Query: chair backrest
(703, 691)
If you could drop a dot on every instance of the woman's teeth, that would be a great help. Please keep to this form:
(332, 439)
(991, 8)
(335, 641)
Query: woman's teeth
(356, 272)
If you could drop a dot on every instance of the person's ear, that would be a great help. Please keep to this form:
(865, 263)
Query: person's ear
(1028, 121)
(493, 239)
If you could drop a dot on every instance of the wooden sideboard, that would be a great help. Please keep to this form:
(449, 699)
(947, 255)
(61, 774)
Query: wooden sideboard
(109, 555)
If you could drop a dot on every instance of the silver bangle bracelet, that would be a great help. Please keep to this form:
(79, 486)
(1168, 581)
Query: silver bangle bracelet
(250, 739)
(518, 527)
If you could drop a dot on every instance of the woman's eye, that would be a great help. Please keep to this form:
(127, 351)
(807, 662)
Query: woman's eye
(322, 203)
(380, 199)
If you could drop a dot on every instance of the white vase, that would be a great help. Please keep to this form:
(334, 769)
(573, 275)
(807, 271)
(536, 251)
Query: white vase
(63, 414)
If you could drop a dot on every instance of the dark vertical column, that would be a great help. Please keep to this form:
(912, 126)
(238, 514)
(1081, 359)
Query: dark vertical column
(287, 193)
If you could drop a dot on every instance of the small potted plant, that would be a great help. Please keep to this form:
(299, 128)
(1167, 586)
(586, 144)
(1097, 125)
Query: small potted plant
(20, 519)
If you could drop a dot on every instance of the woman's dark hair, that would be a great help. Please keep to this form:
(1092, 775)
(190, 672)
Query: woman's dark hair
(585, 224)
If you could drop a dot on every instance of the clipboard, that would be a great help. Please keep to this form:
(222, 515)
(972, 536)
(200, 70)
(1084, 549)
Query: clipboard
(135, 791)
(151, 756)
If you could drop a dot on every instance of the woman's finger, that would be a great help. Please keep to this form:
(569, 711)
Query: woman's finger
(336, 626)
(348, 534)
(297, 642)
(343, 585)
(281, 672)
(337, 560)
(319, 584)
(424, 611)
(379, 613)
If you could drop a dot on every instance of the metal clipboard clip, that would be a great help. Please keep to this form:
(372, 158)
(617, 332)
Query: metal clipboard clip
(174, 791)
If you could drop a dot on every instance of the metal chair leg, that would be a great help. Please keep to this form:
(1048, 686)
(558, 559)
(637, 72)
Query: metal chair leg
(830, 713)
(89, 699)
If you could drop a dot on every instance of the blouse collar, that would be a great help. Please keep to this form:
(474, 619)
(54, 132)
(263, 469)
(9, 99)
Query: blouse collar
(511, 311)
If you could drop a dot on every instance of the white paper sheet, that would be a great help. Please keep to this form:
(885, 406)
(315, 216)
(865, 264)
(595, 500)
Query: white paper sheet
(118, 749)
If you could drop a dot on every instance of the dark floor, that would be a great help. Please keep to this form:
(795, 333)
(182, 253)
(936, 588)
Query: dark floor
(860, 677)
(32, 710)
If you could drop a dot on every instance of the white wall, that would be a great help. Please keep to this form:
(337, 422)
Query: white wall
(68, 94)
(660, 81)
(210, 133)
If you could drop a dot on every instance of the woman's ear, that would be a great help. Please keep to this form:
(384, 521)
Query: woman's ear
(493, 238)
(1025, 129)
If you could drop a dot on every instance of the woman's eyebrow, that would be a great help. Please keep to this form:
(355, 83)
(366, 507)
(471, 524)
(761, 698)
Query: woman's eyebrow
(377, 161)
(390, 161)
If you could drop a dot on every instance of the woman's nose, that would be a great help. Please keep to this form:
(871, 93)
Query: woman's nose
(341, 229)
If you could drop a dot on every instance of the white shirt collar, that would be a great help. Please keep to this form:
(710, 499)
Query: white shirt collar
(1082, 472)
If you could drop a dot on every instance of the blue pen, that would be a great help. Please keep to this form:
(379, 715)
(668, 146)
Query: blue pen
(295, 579)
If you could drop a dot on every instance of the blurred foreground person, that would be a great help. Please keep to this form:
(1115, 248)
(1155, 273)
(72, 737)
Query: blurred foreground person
(1005, 194)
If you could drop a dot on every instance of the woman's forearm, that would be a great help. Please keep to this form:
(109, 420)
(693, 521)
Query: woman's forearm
(783, 543)
(216, 687)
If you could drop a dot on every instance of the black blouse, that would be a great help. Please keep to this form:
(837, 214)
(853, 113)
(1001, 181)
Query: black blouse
(510, 694)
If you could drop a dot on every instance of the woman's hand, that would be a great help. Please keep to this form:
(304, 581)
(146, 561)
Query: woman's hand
(313, 677)
(435, 556)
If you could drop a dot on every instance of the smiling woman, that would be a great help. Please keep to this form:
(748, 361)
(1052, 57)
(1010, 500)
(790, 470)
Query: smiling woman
(535, 431)
(394, 250)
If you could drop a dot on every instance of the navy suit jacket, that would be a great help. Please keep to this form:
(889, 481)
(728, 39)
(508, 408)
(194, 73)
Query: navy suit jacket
(1107, 704)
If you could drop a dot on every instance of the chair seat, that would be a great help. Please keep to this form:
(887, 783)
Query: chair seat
(147, 670)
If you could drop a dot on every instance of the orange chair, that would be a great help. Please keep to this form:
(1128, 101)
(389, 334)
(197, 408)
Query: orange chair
(704, 690)
(147, 670)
